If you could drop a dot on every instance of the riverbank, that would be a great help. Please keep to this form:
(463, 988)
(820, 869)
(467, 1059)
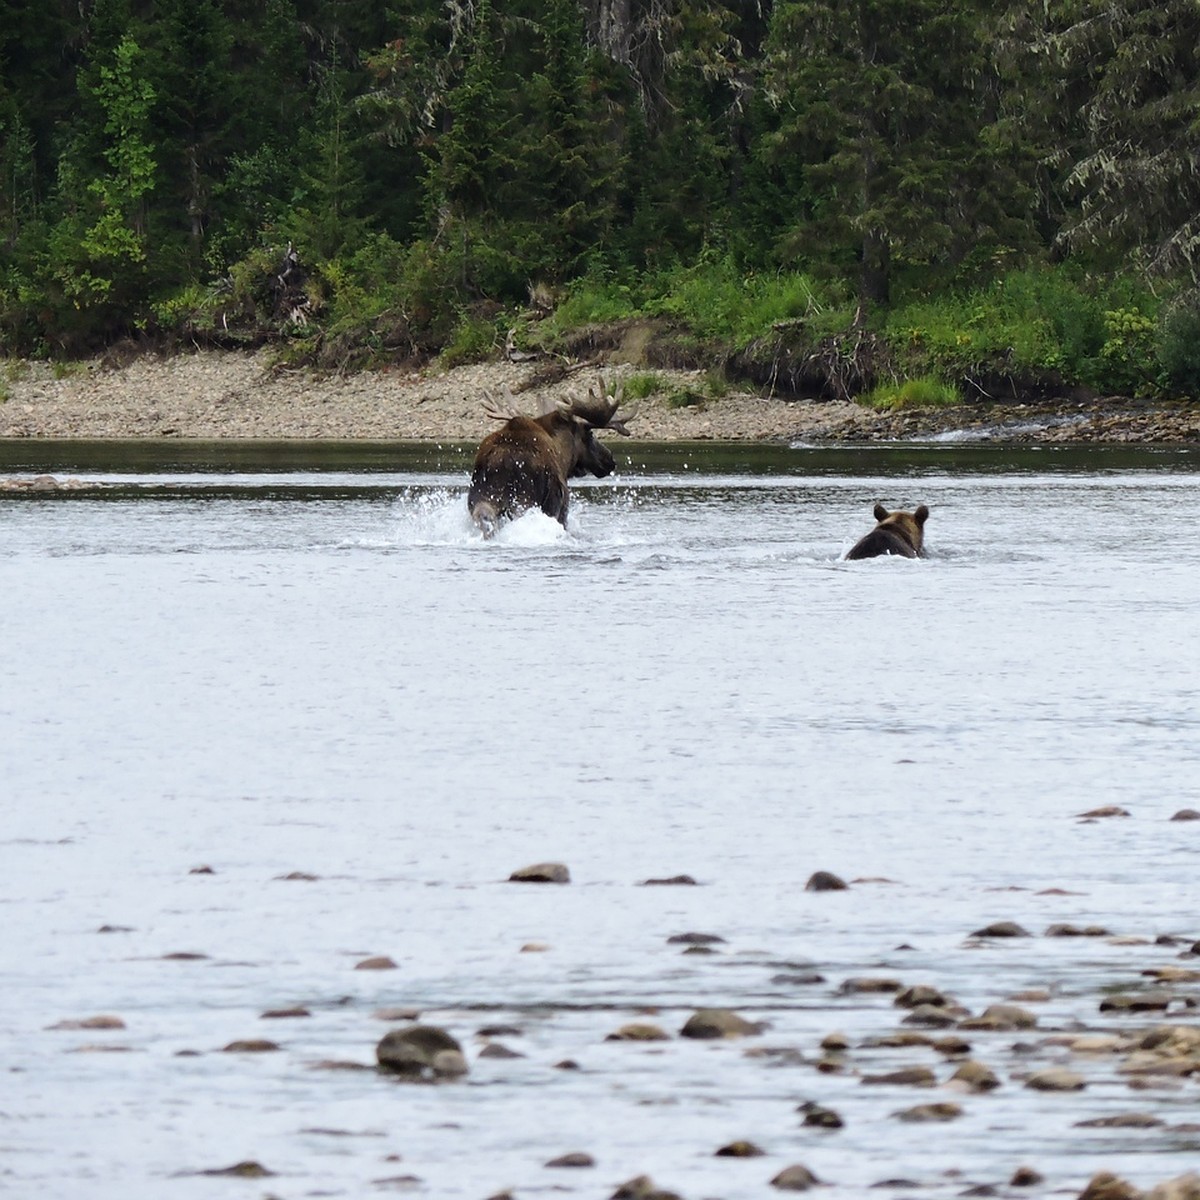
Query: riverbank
(213, 395)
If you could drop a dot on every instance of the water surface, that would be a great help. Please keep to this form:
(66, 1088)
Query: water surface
(306, 660)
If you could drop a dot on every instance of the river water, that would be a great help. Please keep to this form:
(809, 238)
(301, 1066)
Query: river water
(221, 668)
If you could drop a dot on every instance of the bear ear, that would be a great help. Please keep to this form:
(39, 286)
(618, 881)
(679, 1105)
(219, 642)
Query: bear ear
(880, 513)
(921, 515)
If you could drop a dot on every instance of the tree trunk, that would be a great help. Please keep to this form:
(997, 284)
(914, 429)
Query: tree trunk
(610, 24)
(874, 280)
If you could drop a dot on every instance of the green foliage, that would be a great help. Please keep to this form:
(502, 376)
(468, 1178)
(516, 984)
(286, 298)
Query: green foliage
(1179, 345)
(189, 305)
(685, 397)
(926, 391)
(596, 298)
(739, 172)
(324, 220)
(1025, 323)
(711, 386)
(1130, 72)
(642, 384)
(474, 339)
(888, 106)
(717, 301)
(1128, 353)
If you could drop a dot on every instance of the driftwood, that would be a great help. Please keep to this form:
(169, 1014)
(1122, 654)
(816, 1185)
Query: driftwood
(287, 286)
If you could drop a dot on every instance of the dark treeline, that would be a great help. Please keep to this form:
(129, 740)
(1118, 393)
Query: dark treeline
(434, 163)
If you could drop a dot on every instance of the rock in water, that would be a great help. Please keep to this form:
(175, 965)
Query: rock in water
(549, 872)
(421, 1051)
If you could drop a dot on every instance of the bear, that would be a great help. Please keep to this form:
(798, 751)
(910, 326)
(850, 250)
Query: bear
(899, 533)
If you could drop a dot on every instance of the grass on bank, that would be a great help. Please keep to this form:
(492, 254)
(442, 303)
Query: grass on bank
(926, 391)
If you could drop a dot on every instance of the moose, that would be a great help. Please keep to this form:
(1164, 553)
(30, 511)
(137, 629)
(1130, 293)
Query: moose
(527, 462)
(900, 533)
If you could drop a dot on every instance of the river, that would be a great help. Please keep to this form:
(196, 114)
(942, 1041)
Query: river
(280, 711)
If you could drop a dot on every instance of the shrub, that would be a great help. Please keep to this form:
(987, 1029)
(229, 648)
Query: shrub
(1179, 345)
(474, 339)
(1049, 321)
(1128, 352)
(685, 397)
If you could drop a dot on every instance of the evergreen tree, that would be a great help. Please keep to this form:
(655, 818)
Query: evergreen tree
(191, 72)
(468, 165)
(1129, 74)
(565, 167)
(267, 113)
(99, 247)
(326, 217)
(884, 102)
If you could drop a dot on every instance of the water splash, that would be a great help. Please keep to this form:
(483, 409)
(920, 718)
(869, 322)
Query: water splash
(433, 517)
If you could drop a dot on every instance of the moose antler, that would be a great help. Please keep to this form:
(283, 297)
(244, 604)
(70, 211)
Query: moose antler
(506, 408)
(599, 410)
(501, 410)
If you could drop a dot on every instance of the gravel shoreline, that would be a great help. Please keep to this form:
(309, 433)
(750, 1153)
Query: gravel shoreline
(218, 395)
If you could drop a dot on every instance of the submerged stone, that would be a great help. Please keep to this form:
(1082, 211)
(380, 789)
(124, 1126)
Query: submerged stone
(1002, 929)
(548, 872)
(975, 1077)
(1182, 1187)
(100, 1022)
(796, 1178)
(820, 1117)
(1106, 1186)
(919, 995)
(739, 1149)
(242, 1170)
(868, 985)
(1129, 1120)
(499, 1050)
(1001, 1017)
(1056, 1079)
(577, 1158)
(1025, 1177)
(718, 1023)
(906, 1077)
(420, 1051)
(1136, 1002)
(642, 1188)
(639, 1031)
(933, 1016)
(940, 1111)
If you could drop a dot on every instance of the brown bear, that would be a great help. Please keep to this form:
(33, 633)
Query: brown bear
(899, 533)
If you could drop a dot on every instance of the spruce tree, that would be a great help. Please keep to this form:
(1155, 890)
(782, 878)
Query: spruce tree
(885, 104)
(1127, 75)
(563, 176)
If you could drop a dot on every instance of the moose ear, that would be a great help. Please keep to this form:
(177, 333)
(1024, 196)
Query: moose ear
(880, 512)
(921, 515)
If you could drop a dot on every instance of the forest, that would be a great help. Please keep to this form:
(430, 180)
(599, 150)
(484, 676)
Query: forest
(901, 200)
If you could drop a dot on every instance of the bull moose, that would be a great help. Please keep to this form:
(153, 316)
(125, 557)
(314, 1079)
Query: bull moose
(527, 462)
